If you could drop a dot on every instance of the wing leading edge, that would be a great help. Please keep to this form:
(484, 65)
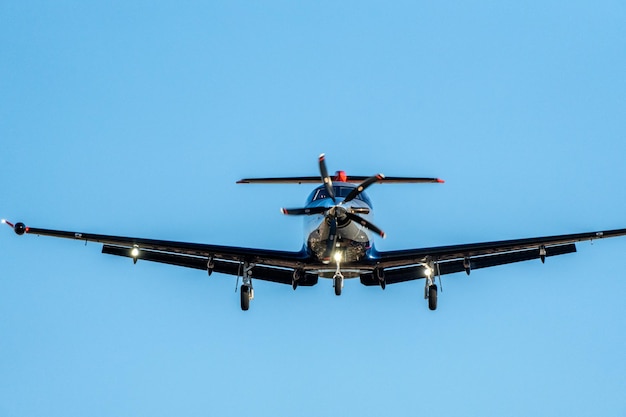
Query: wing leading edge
(286, 267)
(406, 265)
(269, 265)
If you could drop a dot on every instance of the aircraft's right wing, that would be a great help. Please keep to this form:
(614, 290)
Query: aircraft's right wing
(410, 264)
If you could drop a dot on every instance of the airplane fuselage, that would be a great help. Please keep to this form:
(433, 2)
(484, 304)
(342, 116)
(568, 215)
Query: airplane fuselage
(350, 241)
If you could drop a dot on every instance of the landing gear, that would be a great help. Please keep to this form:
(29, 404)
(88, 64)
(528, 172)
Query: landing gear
(338, 278)
(246, 291)
(247, 294)
(430, 290)
(432, 297)
(338, 283)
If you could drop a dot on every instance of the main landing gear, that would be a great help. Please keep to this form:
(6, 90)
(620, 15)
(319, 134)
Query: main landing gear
(247, 294)
(432, 297)
(246, 291)
(430, 290)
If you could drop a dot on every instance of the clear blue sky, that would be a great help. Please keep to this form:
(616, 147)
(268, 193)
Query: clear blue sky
(136, 118)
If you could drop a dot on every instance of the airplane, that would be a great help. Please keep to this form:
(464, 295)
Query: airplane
(339, 244)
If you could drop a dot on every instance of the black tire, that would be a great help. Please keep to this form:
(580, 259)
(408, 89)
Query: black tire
(432, 297)
(338, 286)
(245, 297)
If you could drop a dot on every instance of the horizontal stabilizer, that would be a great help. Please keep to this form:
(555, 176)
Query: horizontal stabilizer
(352, 179)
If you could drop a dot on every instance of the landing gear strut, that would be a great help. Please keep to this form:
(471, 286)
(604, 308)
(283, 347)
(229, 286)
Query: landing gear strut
(246, 291)
(430, 290)
(338, 277)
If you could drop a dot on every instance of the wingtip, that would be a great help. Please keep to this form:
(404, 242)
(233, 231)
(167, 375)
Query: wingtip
(440, 181)
(322, 157)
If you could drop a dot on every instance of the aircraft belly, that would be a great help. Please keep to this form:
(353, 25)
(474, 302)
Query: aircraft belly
(347, 273)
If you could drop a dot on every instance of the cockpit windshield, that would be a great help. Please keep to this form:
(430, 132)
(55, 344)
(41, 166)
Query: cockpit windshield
(341, 192)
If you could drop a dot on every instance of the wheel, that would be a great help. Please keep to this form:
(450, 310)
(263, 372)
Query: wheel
(338, 284)
(432, 297)
(245, 297)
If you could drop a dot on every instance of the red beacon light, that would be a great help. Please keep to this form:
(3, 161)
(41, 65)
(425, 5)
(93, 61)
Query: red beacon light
(341, 176)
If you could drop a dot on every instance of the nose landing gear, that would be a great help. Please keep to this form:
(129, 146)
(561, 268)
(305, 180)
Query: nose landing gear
(338, 277)
(338, 283)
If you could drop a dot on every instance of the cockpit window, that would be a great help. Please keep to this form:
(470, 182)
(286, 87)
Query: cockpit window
(340, 192)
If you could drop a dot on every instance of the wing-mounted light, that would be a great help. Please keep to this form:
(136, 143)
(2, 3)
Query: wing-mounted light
(134, 253)
(19, 228)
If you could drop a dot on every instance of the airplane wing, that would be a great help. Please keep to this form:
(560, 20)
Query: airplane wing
(269, 265)
(406, 265)
(279, 266)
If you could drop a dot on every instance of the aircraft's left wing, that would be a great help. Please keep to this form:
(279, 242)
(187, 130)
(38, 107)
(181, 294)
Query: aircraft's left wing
(406, 265)
(269, 265)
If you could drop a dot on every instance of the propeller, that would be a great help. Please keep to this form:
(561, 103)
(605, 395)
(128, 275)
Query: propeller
(337, 212)
(328, 183)
(358, 190)
(365, 223)
(304, 211)
(332, 237)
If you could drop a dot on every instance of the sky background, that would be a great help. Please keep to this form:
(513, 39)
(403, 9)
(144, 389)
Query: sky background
(136, 119)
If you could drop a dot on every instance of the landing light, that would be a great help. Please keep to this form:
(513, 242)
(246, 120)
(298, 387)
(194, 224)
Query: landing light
(135, 252)
(428, 271)
(3, 221)
(337, 256)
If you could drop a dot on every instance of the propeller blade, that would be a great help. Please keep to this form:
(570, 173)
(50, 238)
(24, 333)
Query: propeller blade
(332, 238)
(358, 190)
(366, 224)
(328, 183)
(303, 211)
(359, 210)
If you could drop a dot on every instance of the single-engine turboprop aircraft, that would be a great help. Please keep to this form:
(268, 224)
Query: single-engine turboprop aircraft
(338, 244)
